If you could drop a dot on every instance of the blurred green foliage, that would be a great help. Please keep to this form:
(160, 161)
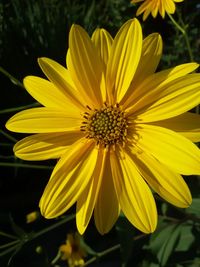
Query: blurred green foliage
(35, 28)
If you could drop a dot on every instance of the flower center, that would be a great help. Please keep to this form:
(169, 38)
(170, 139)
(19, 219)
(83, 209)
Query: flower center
(108, 125)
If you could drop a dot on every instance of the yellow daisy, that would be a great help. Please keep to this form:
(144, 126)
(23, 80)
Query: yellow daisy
(118, 128)
(72, 251)
(155, 6)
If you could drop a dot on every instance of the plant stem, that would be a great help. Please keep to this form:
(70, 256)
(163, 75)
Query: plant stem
(8, 235)
(9, 244)
(52, 227)
(101, 254)
(57, 257)
(10, 249)
(8, 136)
(12, 79)
(182, 29)
(22, 165)
(8, 110)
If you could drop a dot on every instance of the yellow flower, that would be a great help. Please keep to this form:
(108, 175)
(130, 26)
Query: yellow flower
(72, 251)
(155, 6)
(118, 128)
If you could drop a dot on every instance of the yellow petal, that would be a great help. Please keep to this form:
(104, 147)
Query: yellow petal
(46, 93)
(162, 9)
(44, 120)
(173, 99)
(86, 201)
(103, 42)
(154, 10)
(145, 15)
(124, 58)
(170, 148)
(60, 77)
(85, 65)
(107, 208)
(169, 6)
(150, 57)
(145, 7)
(69, 178)
(45, 146)
(187, 124)
(151, 88)
(135, 197)
(168, 184)
(151, 54)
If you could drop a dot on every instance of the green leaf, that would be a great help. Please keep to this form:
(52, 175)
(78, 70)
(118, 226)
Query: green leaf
(186, 238)
(131, 241)
(194, 207)
(17, 229)
(164, 242)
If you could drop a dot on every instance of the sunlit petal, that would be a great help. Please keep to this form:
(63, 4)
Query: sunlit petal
(150, 57)
(168, 184)
(135, 197)
(87, 199)
(44, 120)
(45, 146)
(60, 77)
(170, 148)
(46, 93)
(124, 58)
(173, 99)
(103, 42)
(187, 124)
(69, 178)
(107, 207)
(151, 88)
(85, 65)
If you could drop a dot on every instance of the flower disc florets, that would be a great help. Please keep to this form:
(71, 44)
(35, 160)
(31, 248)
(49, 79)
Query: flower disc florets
(108, 125)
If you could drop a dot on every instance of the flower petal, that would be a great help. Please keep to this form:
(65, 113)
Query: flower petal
(152, 87)
(103, 42)
(44, 120)
(69, 178)
(171, 100)
(151, 54)
(85, 65)
(187, 124)
(87, 199)
(46, 93)
(124, 58)
(170, 148)
(107, 208)
(135, 197)
(169, 185)
(45, 146)
(150, 57)
(145, 7)
(169, 6)
(60, 77)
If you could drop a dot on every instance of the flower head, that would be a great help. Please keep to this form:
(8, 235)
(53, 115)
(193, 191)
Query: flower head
(72, 251)
(155, 6)
(119, 128)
